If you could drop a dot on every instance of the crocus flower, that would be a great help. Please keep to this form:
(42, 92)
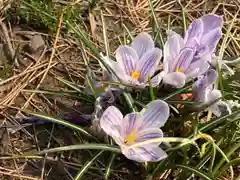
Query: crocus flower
(204, 92)
(107, 92)
(136, 63)
(135, 128)
(187, 58)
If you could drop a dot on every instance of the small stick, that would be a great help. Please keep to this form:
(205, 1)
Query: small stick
(8, 42)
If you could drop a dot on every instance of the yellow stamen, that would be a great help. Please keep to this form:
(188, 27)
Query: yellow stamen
(179, 69)
(131, 138)
(100, 89)
(135, 75)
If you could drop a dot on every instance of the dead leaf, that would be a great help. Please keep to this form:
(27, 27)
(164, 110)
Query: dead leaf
(93, 24)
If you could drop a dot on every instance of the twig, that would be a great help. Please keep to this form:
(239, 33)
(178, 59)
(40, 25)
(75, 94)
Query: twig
(8, 42)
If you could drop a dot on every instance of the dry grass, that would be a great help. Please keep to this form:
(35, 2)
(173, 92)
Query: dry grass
(63, 57)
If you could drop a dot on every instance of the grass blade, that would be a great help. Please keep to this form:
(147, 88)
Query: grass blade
(195, 171)
(105, 147)
(156, 22)
(85, 40)
(64, 123)
(108, 169)
(86, 166)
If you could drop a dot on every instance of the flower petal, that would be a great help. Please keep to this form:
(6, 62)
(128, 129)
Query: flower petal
(175, 79)
(220, 107)
(111, 120)
(211, 22)
(185, 58)
(127, 57)
(211, 39)
(145, 154)
(142, 43)
(130, 123)
(147, 65)
(156, 79)
(172, 48)
(148, 134)
(155, 114)
(119, 71)
(210, 77)
(213, 95)
(194, 32)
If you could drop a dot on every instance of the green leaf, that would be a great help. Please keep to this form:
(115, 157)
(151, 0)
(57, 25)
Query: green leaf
(211, 125)
(177, 92)
(64, 123)
(105, 147)
(156, 22)
(86, 166)
(108, 169)
(224, 168)
(85, 40)
(196, 172)
(228, 154)
(151, 89)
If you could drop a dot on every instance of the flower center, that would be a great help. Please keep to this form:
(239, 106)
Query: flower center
(131, 138)
(135, 74)
(179, 69)
(100, 88)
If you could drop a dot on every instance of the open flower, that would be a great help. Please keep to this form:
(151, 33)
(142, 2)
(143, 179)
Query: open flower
(136, 63)
(204, 92)
(135, 128)
(185, 59)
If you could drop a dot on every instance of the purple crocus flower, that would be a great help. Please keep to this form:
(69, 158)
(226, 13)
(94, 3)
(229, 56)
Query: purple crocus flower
(204, 92)
(136, 63)
(135, 128)
(187, 58)
(107, 92)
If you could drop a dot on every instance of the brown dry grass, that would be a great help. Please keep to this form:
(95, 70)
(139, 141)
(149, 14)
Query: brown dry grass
(121, 18)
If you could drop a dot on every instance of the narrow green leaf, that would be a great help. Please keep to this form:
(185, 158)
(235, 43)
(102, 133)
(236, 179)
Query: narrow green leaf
(195, 171)
(86, 166)
(211, 125)
(177, 92)
(108, 169)
(85, 40)
(151, 89)
(228, 154)
(105, 147)
(129, 101)
(224, 168)
(64, 123)
(69, 84)
(156, 22)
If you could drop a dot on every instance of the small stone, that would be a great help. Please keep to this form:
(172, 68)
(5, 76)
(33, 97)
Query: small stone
(36, 43)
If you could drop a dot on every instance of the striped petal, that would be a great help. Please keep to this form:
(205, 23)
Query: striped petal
(130, 123)
(172, 48)
(145, 154)
(148, 134)
(175, 79)
(185, 59)
(211, 22)
(157, 79)
(119, 72)
(142, 43)
(147, 65)
(110, 121)
(127, 57)
(219, 107)
(155, 114)
(194, 32)
(211, 39)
